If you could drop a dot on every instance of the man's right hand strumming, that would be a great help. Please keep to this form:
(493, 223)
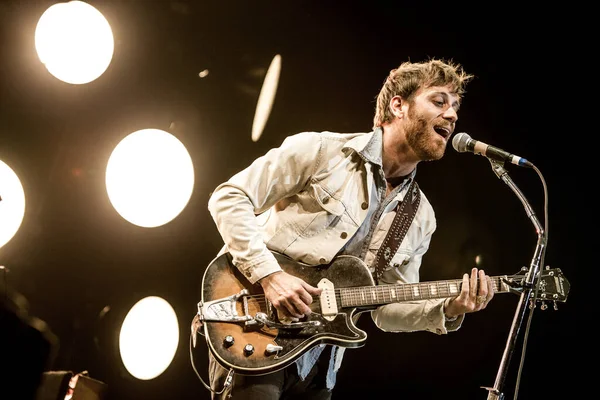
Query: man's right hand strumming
(291, 296)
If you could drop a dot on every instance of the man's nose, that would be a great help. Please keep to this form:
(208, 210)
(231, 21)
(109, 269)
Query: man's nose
(451, 114)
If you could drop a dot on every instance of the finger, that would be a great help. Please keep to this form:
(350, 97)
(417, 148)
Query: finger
(483, 284)
(315, 291)
(473, 287)
(464, 291)
(283, 312)
(305, 297)
(286, 306)
(308, 292)
(299, 306)
(294, 309)
(490, 288)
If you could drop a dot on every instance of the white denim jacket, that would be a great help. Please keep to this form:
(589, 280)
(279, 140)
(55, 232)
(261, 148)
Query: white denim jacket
(306, 199)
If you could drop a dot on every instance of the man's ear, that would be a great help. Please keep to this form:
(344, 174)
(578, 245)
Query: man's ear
(396, 106)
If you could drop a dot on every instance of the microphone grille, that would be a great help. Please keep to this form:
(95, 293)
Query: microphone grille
(460, 142)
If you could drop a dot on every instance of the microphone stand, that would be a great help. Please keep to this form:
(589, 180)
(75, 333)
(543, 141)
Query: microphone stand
(495, 393)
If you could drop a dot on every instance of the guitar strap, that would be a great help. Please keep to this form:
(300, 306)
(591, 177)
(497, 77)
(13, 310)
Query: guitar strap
(405, 213)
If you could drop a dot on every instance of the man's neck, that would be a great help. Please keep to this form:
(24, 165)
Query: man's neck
(398, 159)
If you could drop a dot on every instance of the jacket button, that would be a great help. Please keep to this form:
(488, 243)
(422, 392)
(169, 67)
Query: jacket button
(364, 205)
(323, 261)
(326, 200)
(248, 274)
(344, 235)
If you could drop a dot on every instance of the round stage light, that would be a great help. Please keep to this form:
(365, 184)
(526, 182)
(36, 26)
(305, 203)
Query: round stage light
(149, 338)
(149, 177)
(12, 203)
(74, 41)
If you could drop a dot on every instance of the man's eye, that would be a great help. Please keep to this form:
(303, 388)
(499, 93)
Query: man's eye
(438, 103)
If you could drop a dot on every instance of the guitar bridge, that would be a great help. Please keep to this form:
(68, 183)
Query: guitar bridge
(223, 310)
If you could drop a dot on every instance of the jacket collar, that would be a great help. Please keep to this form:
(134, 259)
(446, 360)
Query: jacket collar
(368, 145)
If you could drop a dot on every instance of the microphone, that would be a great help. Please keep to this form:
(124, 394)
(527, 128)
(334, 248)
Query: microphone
(462, 142)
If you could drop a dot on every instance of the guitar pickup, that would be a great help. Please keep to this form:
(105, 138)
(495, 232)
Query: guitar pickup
(329, 308)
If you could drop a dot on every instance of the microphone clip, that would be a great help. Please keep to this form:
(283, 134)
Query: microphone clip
(498, 168)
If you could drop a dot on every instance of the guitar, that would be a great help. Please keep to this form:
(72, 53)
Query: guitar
(243, 331)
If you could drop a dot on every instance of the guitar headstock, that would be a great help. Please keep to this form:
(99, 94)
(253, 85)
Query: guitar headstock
(553, 286)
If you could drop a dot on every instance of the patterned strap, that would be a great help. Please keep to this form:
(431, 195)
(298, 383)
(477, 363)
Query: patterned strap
(404, 216)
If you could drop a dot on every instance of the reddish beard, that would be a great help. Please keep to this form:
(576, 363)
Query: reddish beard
(422, 138)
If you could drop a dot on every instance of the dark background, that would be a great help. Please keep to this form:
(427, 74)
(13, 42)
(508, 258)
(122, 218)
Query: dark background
(74, 255)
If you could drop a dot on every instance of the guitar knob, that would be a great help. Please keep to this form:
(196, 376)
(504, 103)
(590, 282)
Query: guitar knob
(228, 341)
(248, 349)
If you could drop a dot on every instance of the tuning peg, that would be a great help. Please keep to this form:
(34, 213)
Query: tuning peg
(555, 306)
(544, 306)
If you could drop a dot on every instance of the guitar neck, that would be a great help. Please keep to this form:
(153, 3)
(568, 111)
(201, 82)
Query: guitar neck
(386, 294)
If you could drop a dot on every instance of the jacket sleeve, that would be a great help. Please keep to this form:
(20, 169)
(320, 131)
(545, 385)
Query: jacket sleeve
(235, 204)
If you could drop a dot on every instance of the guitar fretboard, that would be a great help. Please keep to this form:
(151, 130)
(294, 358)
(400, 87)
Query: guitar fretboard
(386, 294)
